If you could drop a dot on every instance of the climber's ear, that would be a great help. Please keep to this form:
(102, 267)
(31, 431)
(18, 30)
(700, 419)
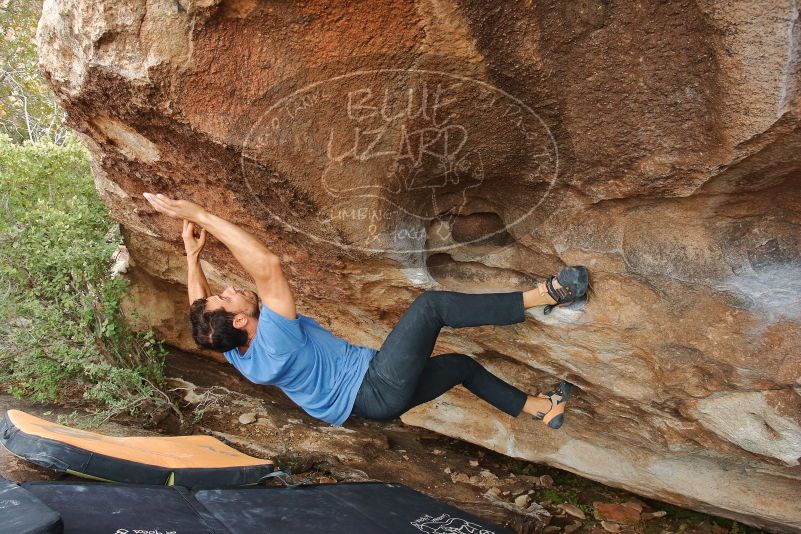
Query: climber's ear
(241, 321)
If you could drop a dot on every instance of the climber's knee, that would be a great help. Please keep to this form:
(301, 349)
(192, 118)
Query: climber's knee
(469, 367)
(462, 366)
(427, 299)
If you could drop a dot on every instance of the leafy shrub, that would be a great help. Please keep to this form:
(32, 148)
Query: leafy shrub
(62, 333)
(28, 108)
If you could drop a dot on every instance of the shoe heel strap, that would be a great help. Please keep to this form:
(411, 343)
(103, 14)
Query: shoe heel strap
(559, 294)
(554, 404)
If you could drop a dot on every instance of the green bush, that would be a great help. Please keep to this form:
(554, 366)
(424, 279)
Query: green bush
(62, 333)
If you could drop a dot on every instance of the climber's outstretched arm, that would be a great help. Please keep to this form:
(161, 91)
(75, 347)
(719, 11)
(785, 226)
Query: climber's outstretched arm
(196, 283)
(259, 261)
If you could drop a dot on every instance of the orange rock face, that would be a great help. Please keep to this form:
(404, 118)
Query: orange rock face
(385, 148)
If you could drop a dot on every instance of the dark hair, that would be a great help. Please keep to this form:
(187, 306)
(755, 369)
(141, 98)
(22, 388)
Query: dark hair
(215, 329)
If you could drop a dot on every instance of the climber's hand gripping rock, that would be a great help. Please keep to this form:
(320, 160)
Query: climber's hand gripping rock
(175, 208)
(194, 241)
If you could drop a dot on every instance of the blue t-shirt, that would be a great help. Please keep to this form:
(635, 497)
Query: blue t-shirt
(319, 371)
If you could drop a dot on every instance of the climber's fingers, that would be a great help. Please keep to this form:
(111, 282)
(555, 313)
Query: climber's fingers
(194, 240)
(199, 238)
(190, 232)
(179, 209)
(158, 202)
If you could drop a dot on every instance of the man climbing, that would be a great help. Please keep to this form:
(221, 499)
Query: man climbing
(263, 336)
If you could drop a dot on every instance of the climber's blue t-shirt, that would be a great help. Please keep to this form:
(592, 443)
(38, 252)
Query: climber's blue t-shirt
(319, 371)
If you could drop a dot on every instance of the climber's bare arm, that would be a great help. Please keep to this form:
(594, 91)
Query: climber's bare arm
(259, 261)
(196, 282)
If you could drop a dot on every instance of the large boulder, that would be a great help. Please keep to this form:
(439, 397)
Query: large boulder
(385, 148)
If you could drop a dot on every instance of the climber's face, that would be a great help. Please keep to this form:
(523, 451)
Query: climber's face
(236, 301)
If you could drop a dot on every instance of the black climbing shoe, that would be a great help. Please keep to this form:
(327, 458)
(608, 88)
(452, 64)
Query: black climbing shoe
(558, 397)
(574, 282)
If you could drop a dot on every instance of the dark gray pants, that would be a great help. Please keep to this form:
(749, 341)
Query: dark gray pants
(402, 374)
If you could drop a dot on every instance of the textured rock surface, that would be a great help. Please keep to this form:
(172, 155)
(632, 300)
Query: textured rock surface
(385, 148)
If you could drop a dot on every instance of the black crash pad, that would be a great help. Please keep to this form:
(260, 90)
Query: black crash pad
(100, 508)
(22, 513)
(359, 508)
(343, 508)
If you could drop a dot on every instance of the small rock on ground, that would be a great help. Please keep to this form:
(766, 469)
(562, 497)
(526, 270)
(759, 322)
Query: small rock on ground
(247, 418)
(575, 511)
(653, 515)
(522, 500)
(610, 527)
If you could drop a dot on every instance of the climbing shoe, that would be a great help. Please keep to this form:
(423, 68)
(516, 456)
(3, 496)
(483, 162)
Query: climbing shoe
(573, 281)
(558, 397)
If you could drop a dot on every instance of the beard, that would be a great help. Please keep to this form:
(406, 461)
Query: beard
(252, 297)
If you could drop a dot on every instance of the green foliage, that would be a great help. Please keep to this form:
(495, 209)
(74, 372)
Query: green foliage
(561, 497)
(61, 329)
(552, 496)
(28, 108)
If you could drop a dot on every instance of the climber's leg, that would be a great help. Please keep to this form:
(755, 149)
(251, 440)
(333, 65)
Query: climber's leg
(443, 372)
(395, 369)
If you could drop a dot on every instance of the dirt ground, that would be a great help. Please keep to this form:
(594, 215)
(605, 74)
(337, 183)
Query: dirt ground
(260, 421)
